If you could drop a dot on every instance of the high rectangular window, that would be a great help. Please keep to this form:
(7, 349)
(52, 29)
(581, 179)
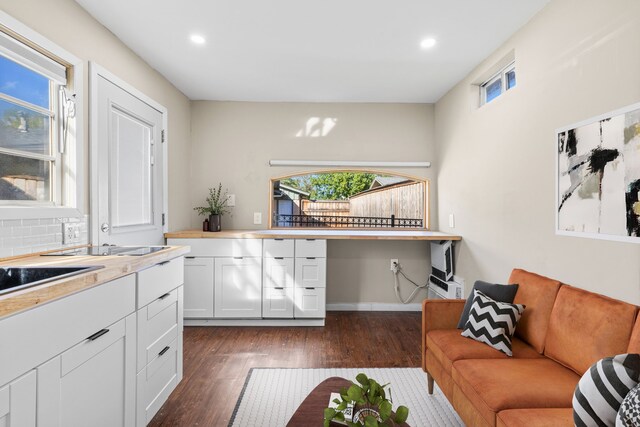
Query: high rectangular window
(499, 83)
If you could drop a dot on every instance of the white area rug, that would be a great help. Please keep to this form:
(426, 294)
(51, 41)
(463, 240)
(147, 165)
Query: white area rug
(271, 396)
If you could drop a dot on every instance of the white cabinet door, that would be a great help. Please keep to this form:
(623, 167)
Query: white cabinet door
(278, 273)
(198, 287)
(92, 383)
(311, 272)
(18, 402)
(238, 288)
(277, 303)
(310, 302)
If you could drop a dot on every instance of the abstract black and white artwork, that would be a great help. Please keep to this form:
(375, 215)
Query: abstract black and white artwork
(598, 177)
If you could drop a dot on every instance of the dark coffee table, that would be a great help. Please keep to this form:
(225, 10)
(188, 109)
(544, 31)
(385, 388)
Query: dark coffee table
(310, 413)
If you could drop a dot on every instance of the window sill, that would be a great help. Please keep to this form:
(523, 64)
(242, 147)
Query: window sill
(30, 212)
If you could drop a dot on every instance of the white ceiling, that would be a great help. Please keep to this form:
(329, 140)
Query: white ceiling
(320, 51)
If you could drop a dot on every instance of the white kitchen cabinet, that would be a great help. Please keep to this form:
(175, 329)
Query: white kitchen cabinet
(92, 383)
(311, 272)
(238, 287)
(198, 287)
(310, 278)
(18, 402)
(278, 279)
(309, 303)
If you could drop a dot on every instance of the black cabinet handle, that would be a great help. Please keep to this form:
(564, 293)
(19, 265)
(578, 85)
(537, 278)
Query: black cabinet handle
(97, 335)
(164, 296)
(189, 257)
(311, 257)
(310, 289)
(237, 257)
(278, 257)
(279, 288)
(164, 263)
(278, 240)
(310, 240)
(164, 350)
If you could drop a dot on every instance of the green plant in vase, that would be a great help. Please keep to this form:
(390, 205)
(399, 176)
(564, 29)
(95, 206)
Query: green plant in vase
(370, 404)
(215, 208)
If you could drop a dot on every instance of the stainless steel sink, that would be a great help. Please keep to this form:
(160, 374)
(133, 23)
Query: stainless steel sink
(15, 278)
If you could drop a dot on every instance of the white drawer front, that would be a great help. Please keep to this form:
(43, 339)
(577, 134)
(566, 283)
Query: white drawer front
(311, 248)
(309, 302)
(157, 327)
(159, 279)
(277, 303)
(278, 248)
(311, 272)
(156, 382)
(59, 325)
(221, 247)
(278, 273)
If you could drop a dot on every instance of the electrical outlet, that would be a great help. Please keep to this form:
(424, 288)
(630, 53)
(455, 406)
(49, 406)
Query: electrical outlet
(257, 218)
(393, 265)
(231, 200)
(70, 232)
(452, 221)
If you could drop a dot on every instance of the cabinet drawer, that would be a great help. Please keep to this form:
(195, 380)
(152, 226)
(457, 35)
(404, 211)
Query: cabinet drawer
(311, 273)
(221, 247)
(278, 273)
(157, 327)
(91, 346)
(156, 382)
(311, 248)
(278, 248)
(309, 302)
(277, 303)
(159, 279)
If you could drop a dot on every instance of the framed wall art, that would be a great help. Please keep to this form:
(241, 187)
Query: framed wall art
(598, 177)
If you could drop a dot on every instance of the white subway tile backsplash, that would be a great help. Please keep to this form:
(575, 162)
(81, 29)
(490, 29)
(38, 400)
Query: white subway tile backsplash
(20, 237)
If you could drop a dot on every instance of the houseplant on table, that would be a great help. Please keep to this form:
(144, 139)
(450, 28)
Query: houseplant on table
(215, 208)
(370, 404)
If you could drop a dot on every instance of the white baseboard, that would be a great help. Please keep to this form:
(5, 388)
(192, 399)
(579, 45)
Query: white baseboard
(373, 306)
(254, 322)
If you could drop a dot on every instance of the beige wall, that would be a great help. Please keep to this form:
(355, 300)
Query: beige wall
(576, 59)
(232, 143)
(65, 23)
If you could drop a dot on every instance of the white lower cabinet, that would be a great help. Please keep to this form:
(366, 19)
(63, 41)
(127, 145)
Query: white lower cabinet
(198, 287)
(277, 282)
(92, 383)
(18, 402)
(238, 287)
(309, 303)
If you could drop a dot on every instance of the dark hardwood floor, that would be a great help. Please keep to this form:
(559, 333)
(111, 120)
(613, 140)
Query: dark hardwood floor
(217, 359)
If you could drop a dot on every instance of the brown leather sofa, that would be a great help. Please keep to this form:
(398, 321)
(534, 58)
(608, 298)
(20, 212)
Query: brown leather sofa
(563, 331)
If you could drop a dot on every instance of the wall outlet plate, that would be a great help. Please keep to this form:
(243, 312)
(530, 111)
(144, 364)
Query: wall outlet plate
(392, 263)
(257, 218)
(231, 200)
(70, 232)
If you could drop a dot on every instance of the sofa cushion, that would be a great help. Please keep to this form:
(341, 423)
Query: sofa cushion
(634, 341)
(447, 346)
(492, 322)
(493, 385)
(538, 417)
(502, 293)
(603, 387)
(585, 327)
(538, 293)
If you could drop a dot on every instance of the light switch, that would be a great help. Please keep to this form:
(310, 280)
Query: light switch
(257, 218)
(452, 221)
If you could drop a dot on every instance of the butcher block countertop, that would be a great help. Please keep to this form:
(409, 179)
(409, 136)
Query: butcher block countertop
(114, 267)
(314, 234)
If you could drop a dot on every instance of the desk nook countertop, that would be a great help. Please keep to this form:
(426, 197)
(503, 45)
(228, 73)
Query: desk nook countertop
(314, 234)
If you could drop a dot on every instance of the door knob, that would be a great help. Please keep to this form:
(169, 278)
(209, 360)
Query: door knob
(104, 227)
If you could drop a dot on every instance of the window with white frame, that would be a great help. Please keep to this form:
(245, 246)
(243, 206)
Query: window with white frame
(498, 84)
(40, 135)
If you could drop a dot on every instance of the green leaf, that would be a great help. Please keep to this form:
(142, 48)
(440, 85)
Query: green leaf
(339, 416)
(338, 401)
(326, 423)
(329, 413)
(385, 409)
(402, 413)
(354, 393)
(362, 379)
(342, 405)
(373, 391)
(370, 421)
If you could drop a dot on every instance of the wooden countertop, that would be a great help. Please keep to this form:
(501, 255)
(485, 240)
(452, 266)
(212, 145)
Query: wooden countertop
(314, 234)
(114, 267)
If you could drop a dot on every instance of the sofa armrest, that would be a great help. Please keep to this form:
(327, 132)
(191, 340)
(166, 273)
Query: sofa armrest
(439, 314)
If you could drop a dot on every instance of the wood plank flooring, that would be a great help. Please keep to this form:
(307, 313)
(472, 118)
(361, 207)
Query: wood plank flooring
(217, 359)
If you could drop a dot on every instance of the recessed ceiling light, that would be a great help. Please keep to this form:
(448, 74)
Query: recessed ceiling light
(428, 43)
(197, 39)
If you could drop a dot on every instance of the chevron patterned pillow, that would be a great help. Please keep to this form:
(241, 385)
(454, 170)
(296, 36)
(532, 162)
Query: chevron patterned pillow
(492, 322)
(603, 388)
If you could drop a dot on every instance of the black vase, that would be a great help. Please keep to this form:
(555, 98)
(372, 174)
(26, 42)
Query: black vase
(215, 222)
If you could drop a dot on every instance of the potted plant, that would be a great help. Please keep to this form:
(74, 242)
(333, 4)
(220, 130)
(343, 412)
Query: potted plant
(215, 208)
(371, 407)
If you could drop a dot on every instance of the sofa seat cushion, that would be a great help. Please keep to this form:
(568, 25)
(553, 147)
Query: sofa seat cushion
(448, 345)
(544, 417)
(493, 385)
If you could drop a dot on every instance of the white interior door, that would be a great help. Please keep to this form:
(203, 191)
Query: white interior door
(127, 165)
